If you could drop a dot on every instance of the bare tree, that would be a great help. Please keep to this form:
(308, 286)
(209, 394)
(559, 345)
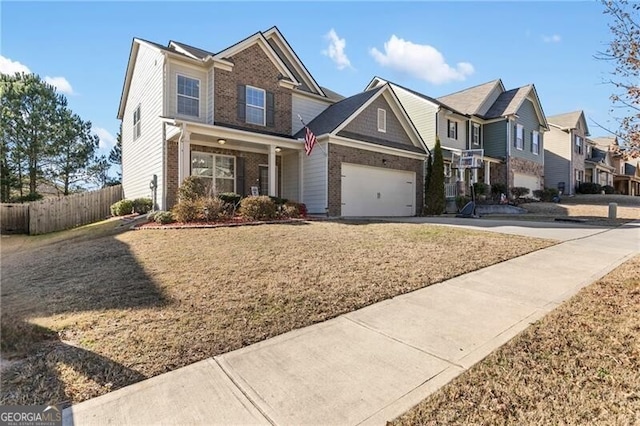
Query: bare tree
(624, 52)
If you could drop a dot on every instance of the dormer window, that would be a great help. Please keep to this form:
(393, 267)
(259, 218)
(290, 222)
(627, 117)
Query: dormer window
(188, 96)
(382, 120)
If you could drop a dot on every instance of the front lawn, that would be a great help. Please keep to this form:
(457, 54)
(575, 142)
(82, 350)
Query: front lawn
(89, 315)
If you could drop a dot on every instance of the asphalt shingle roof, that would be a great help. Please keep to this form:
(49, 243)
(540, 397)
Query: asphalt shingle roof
(195, 51)
(337, 113)
(568, 120)
(508, 102)
(604, 141)
(597, 155)
(425, 97)
(469, 100)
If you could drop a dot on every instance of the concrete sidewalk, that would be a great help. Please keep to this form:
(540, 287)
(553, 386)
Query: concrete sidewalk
(369, 366)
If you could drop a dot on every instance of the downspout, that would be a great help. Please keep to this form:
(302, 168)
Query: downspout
(164, 166)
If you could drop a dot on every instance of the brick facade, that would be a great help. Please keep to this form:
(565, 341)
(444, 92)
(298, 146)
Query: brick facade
(251, 67)
(252, 162)
(339, 154)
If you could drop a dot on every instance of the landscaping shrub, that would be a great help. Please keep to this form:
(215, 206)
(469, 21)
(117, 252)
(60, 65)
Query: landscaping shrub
(27, 198)
(230, 198)
(497, 189)
(142, 205)
(608, 189)
(122, 207)
(163, 217)
(547, 194)
(519, 192)
(481, 188)
(589, 188)
(258, 208)
(435, 201)
(294, 210)
(188, 210)
(193, 188)
(212, 208)
(278, 201)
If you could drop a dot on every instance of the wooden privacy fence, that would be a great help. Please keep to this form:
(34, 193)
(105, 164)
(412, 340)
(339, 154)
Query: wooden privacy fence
(14, 218)
(56, 214)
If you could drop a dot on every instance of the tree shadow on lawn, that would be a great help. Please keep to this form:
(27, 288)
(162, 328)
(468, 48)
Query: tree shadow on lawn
(64, 279)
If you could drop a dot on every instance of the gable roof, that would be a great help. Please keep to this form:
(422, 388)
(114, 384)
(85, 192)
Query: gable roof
(508, 102)
(337, 116)
(195, 52)
(569, 120)
(378, 81)
(471, 99)
(597, 155)
(605, 141)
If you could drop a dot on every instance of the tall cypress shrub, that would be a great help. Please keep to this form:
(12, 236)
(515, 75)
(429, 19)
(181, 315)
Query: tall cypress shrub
(435, 197)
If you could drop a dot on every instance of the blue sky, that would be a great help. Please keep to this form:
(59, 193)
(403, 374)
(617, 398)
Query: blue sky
(433, 47)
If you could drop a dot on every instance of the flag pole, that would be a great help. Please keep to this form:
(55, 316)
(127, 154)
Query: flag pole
(319, 144)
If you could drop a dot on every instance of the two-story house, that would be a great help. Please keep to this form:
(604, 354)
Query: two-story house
(509, 126)
(233, 118)
(565, 151)
(598, 164)
(626, 171)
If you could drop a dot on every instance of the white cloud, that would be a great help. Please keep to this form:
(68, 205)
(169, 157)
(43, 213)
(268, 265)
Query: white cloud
(420, 61)
(335, 50)
(60, 83)
(555, 38)
(7, 66)
(107, 140)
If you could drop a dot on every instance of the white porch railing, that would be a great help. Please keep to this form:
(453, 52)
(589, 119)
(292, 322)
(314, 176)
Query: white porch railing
(450, 190)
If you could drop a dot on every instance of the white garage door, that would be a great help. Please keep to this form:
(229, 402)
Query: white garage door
(528, 181)
(374, 191)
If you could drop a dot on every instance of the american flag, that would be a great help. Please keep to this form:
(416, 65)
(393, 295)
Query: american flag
(309, 141)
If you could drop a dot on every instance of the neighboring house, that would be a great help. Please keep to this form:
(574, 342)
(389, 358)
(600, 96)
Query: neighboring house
(626, 172)
(232, 117)
(509, 126)
(565, 152)
(598, 164)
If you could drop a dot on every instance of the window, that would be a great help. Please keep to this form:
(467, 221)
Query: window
(188, 96)
(137, 126)
(519, 142)
(255, 105)
(220, 170)
(382, 120)
(452, 127)
(475, 134)
(535, 142)
(579, 145)
(447, 170)
(579, 175)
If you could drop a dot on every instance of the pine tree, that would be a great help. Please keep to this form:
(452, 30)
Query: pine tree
(427, 181)
(435, 202)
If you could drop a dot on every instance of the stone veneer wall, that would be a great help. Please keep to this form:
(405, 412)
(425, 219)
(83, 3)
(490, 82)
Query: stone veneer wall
(252, 161)
(520, 165)
(339, 154)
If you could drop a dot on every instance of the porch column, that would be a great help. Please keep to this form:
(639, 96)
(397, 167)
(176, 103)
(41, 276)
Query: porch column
(272, 170)
(487, 171)
(184, 156)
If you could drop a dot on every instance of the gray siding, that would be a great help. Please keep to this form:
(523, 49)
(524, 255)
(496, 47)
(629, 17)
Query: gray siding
(495, 139)
(366, 124)
(557, 159)
(529, 120)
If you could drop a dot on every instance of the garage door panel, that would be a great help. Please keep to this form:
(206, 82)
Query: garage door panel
(527, 181)
(376, 191)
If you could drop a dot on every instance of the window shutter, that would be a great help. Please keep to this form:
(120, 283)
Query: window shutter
(242, 103)
(515, 135)
(271, 109)
(456, 135)
(531, 137)
(240, 176)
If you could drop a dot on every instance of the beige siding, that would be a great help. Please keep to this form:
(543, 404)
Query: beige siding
(443, 133)
(308, 108)
(142, 158)
(421, 112)
(557, 158)
(290, 176)
(315, 177)
(176, 68)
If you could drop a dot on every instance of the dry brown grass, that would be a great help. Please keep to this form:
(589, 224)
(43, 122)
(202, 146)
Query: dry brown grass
(578, 365)
(106, 312)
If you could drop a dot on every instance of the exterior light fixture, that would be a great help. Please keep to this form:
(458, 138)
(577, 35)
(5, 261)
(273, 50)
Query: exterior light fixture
(222, 141)
(278, 149)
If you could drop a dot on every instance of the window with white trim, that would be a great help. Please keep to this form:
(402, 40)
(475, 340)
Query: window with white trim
(535, 142)
(255, 105)
(188, 91)
(382, 120)
(137, 125)
(475, 133)
(579, 145)
(452, 129)
(519, 142)
(218, 170)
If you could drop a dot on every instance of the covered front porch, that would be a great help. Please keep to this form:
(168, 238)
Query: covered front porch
(239, 161)
(626, 185)
(598, 173)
